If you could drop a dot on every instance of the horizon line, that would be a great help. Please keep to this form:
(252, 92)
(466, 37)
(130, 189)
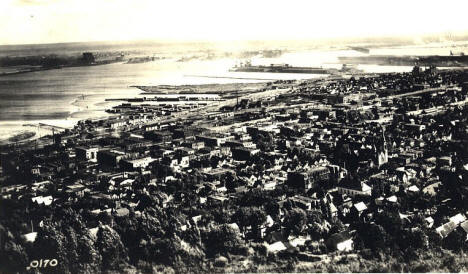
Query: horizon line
(458, 34)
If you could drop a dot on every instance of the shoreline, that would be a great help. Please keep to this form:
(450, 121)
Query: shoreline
(75, 103)
(54, 68)
(19, 137)
(218, 88)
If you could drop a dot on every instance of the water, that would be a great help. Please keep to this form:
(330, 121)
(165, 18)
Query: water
(62, 97)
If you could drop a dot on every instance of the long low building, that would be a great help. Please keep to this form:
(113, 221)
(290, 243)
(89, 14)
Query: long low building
(188, 96)
(136, 163)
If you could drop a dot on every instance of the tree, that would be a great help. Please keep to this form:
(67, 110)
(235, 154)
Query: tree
(111, 248)
(295, 221)
(455, 240)
(336, 226)
(166, 251)
(249, 216)
(230, 180)
(50, 243)
(89, 259)
(13, 257)
(317, 231)
(315, 217)
(265, 142)
(255, 197)
(390, 221)
(272, 208)
(231, 184)
(223, 240)
(372, 235)
(418, 239)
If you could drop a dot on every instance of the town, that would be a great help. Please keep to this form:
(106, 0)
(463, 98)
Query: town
(333, 175)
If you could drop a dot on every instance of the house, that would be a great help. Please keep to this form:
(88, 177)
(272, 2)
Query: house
(184, 161)
(217, 173)
(354, 188)
(196, 219)
(225, 151)
(340, 241)
(269, 186)
(444, 161)
(197, 145)
(120, 183)
(122, 212)
(332, 210)
(298, 241)
(93, 232)
(392, 199)
(99, 211)
(276, 247)
(303, 202)
(269, 221)
(429, 222)
(445, 229)
(40, 185)
(413, 189)
(359, 208)
(43, 200)
(432, 188)
(379, 201)
(457, 219)
(136, 163)
(218, 200)
(186, 151)
(404, 174)
(30, 237)
(77, 188)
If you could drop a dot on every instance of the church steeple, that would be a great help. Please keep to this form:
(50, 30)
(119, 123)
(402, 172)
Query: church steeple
(382, 150)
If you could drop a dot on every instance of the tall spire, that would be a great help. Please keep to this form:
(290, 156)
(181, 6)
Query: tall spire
(382, 154)
(383, 137)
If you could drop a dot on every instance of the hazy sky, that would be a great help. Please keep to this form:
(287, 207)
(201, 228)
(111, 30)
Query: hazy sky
(45, 21)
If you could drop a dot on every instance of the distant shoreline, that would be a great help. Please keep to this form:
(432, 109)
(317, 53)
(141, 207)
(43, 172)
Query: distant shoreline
(54, 68)
(19, 137)
(25, 71)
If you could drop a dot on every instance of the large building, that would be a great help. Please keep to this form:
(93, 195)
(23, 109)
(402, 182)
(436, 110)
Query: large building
(110, 158)
(354, 188)
(87, 153)
(136, 163)
(305, 180)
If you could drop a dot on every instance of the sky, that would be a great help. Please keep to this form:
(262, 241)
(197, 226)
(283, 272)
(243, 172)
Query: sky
(52, 21)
